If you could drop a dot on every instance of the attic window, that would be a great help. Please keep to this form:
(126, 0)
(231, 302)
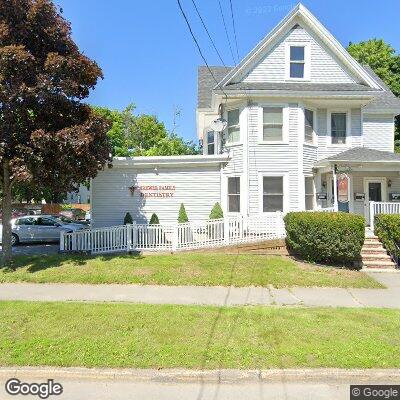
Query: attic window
(297, 62)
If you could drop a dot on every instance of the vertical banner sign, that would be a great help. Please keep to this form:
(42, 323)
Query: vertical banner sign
(343, 188)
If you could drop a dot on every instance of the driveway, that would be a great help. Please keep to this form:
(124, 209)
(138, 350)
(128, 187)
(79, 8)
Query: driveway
(37, 248)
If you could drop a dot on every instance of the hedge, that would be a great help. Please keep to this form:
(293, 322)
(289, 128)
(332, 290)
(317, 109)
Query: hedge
(387, 228)
(154, 220)
(182, 216)
(128, 219)
(216, 212)
(334, 238)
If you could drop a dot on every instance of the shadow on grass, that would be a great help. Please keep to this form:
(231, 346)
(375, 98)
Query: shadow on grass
(36, 263)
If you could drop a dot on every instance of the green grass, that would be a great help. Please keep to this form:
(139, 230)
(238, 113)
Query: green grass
(154, 336)
(182, 269)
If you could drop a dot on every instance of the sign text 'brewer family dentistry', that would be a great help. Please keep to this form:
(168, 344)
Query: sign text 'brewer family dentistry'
(154, 191)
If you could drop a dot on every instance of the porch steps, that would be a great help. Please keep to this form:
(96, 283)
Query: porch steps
(374, 255)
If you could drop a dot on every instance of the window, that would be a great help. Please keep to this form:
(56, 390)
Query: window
(308, 126)
(46, 222)
(309, 192)
(272, 193)
(234, 194)
(297, 62)
(338, 128)
(233, 127)
(25, 221)
(272, 124)
(210, 143)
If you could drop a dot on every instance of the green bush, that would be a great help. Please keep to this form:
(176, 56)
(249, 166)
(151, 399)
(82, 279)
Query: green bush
(154, 219)
(182, 216)
(128, 219)
(387, 228)
(216, 212)
(325, 237)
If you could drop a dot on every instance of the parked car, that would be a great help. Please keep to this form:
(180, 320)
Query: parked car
(39, 228)
(15, 213)
(74, 213)
(66, 220)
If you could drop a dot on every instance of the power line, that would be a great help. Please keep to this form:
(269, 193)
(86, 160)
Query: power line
(198, 47)
(208, 33)
(226, 31)
(234, 31)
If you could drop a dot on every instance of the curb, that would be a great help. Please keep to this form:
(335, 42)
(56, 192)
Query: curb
(220, 376)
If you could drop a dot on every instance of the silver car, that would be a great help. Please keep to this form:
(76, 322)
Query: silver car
(39, 228)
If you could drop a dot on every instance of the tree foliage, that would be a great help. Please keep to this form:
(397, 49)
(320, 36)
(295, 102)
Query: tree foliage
(48, 137)
(142, 135)
(128, 219)
(216, 212)
(382, 58)
(182, 216)
(154, 220)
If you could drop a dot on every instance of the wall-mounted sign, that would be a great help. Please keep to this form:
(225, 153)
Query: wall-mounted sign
(359, 196)
(322, 196)
(343, 188)
(156, 191)
(394, 196)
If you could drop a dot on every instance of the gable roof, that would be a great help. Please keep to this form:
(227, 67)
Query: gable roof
(362, 155)
(206, 82)
(305, 16)
(384, 101)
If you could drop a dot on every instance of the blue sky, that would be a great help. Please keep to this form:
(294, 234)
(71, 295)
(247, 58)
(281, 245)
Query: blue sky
(149, 58)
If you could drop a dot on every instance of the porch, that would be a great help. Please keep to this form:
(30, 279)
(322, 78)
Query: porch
(360, 181)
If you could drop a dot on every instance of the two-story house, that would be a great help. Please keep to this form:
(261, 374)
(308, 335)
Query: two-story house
(298, 124)
(307, 126)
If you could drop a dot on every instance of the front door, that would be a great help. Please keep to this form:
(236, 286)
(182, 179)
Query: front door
(375, 190)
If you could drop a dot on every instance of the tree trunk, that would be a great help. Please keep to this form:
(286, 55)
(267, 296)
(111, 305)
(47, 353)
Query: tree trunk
(7, 214)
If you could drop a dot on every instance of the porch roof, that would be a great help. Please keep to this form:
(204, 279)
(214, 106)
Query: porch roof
(361, 155)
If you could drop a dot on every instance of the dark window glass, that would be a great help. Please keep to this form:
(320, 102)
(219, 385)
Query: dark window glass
(296, 53)
(308, 126)
(272, 193)
(297, 61)
(210, 143)
(234, 194)
(338, 128)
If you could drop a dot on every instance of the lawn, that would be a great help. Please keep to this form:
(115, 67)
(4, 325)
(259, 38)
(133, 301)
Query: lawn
(158, 336)
(182, 269)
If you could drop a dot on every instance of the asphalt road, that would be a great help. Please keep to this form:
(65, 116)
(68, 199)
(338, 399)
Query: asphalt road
(37, 248)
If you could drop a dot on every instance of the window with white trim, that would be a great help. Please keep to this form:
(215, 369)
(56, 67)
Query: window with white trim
(338, 127)
(211, 142)
(234, 194)
(308, 126)
(272, 193)
(233, 127)
(297, 62)
(272, 124)
(309, 192)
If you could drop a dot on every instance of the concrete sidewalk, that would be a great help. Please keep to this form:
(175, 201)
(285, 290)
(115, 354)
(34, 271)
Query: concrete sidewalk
(216, 296)
(126, 384)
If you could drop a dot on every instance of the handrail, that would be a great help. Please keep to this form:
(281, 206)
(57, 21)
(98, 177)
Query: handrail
(381, 207)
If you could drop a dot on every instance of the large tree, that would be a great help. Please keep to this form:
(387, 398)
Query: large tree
(48, 137)
(142, 135)
(385, 62)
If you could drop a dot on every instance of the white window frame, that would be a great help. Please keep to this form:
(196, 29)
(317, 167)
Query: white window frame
(348, 127)
(239, 142)
(307, 60)
(314, 134)
(240, 194)
(285, 121)
(313, 193)
(286, 199)
(214, 143)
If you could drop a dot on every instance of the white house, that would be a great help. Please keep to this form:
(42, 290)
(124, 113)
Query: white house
(308, 127)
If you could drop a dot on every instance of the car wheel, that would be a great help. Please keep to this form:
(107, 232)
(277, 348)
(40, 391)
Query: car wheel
(14, 239)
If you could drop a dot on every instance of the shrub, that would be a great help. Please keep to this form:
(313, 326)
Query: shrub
(182, 216)
(128, 219)
(216, 212)
(325, 237)
(387, 228)
(154, 219)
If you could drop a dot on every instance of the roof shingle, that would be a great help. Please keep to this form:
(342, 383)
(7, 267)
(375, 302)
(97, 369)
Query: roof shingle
(363, 154)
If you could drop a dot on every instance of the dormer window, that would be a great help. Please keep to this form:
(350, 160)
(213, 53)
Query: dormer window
(297, 62)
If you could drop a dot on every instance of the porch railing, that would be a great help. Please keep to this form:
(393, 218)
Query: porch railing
(381, 207)
(175, 237)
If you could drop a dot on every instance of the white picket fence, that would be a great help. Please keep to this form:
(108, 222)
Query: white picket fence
(175, 237)
(381, 207)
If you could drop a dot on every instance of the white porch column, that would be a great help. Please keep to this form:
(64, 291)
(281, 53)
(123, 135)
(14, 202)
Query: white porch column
(335, 194)
(317, 189)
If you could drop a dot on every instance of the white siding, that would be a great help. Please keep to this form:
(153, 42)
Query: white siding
(379, 132)
(309, 158)
(274, 159)
(197, 187)
(325, 68)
